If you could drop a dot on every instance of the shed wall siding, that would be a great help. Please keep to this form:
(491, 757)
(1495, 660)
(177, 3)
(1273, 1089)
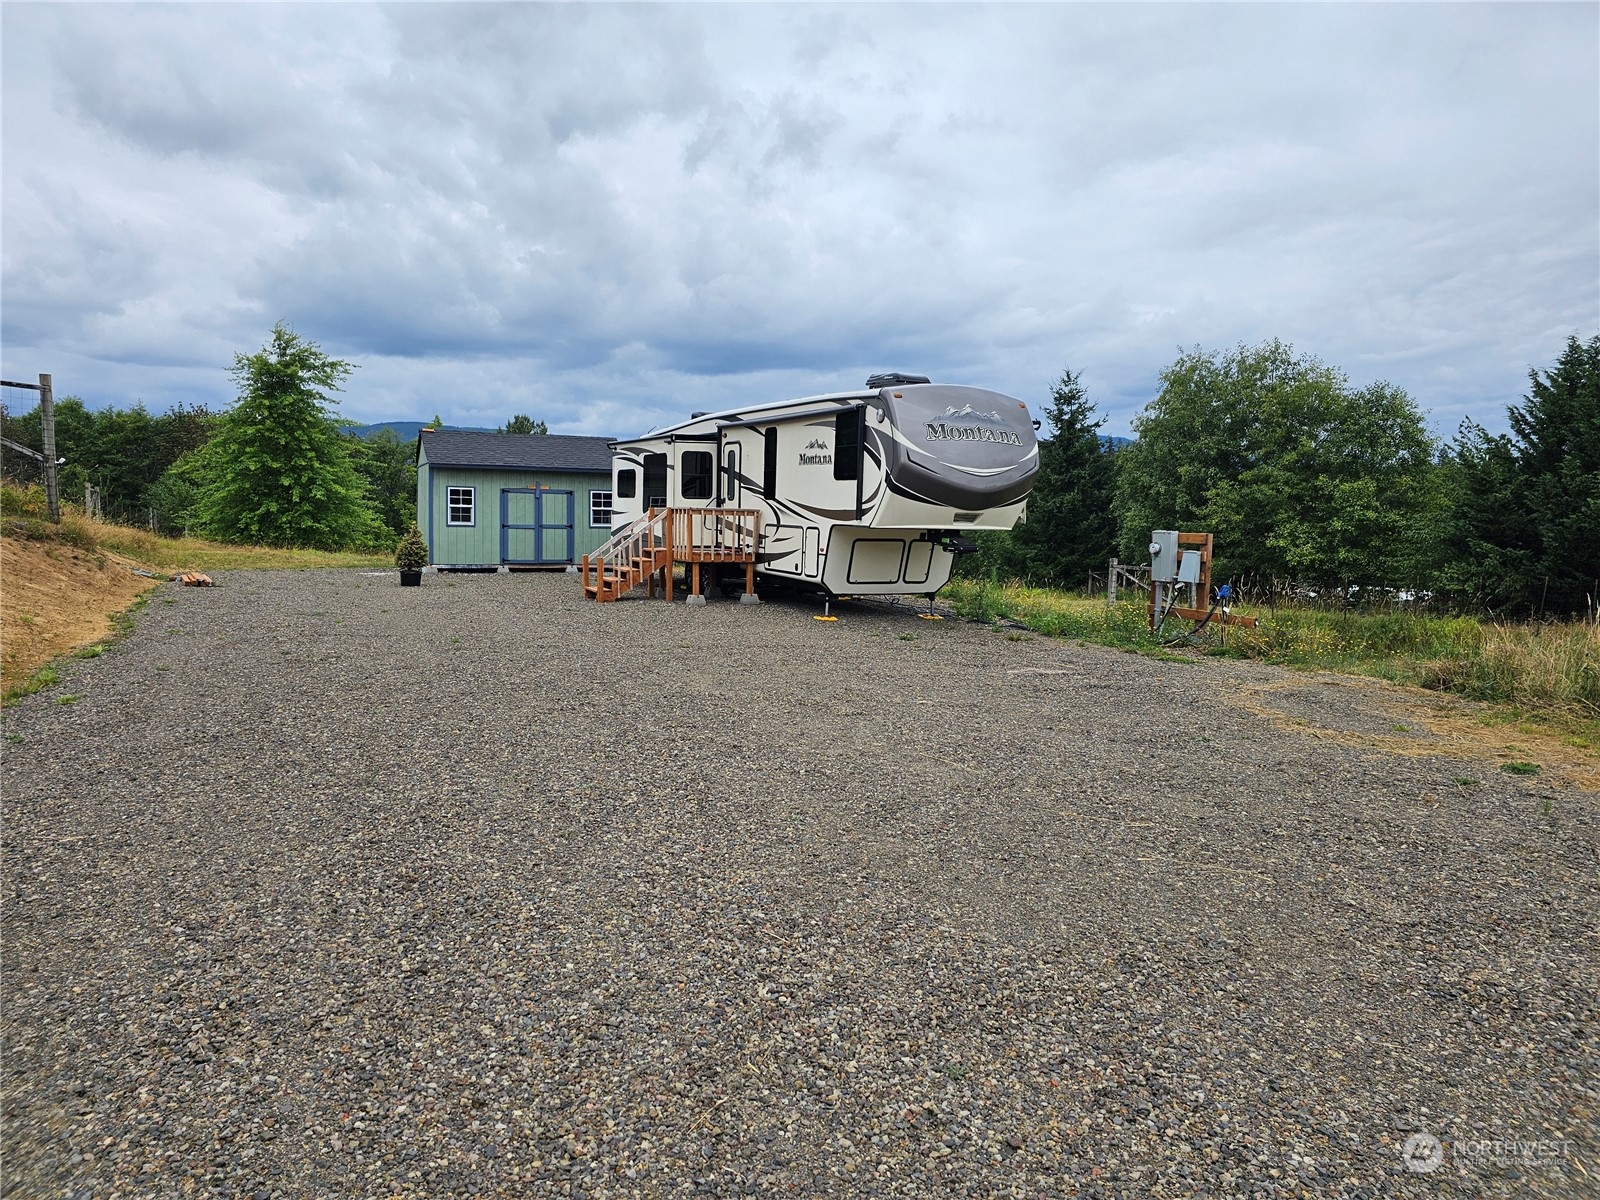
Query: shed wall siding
(478, 545)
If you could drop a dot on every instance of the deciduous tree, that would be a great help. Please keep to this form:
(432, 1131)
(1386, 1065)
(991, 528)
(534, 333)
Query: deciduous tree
(524, 425)
(1300, 476)
(389, 467)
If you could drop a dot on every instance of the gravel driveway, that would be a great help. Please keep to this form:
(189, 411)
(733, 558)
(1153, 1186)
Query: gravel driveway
(322, 887)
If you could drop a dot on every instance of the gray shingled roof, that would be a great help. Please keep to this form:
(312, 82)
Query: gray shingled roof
(517, 451)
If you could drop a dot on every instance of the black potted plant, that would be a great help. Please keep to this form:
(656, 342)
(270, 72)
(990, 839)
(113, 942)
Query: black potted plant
(411, 555)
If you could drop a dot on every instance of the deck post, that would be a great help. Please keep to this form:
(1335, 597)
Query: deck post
(666, 527)
(694, 597)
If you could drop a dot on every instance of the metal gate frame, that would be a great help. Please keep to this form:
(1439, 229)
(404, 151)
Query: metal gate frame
(539, 526)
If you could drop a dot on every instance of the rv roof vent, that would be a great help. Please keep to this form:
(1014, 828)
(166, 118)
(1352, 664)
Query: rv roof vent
(895, 379)
(695, 416)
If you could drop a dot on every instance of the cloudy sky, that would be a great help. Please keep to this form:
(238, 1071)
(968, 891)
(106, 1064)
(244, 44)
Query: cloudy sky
(606, 216)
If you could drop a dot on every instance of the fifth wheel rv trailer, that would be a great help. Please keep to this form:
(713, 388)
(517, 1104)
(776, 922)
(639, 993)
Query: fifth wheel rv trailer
(858, 493)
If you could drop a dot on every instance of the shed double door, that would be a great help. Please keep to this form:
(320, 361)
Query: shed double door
(536, 527)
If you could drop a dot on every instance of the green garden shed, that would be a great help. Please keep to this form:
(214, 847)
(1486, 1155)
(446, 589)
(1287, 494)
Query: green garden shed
(512, 500)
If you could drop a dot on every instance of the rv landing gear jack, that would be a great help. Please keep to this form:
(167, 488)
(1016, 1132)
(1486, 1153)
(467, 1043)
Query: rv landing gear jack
(930, 615)
(824, 614)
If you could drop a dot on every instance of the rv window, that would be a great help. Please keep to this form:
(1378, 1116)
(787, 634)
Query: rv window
(847, 444)
(696, 466)
(769, 473)
(459, 505)
(627, 484)
(599, 510)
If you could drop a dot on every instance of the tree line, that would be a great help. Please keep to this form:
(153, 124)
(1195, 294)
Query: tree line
(1309, 484)
(276, 468)
(1313, 486)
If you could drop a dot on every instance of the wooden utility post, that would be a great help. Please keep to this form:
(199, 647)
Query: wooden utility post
(47, 426)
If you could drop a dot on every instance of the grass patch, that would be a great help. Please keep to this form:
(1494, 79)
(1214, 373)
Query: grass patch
(22, 515)
(1548, 674)
(45, 676)
(1055, 614)
(173, 555)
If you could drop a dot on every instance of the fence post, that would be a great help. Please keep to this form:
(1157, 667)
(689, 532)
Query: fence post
(47, 426)
(1111, 583)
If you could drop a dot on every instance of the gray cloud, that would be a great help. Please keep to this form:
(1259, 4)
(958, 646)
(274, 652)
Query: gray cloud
(613, 214)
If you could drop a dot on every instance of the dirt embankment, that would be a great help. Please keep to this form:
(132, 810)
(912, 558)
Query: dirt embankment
(55, 598)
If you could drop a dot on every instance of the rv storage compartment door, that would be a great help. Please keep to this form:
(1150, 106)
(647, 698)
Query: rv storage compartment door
(876, 560)
(919, 560)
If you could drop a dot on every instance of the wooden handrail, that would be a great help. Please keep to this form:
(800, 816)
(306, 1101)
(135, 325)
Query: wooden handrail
(626, 544)
(694, 535)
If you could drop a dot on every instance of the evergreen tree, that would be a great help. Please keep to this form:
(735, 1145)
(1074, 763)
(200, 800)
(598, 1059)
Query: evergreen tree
(1524, 535)
(1558, 434)
(1071, 527)
(281, 473)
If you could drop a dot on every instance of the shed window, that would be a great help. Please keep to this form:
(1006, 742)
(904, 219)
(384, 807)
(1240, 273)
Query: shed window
(461, 506)
(697, 466)
(627, 484)
(600, 510)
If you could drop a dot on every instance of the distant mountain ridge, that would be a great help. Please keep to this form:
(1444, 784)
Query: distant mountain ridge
(407, 431)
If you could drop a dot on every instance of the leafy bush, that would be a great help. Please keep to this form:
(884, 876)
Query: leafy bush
(26, 500)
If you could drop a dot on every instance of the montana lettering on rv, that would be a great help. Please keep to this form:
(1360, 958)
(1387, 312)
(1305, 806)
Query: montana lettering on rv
(983, 427)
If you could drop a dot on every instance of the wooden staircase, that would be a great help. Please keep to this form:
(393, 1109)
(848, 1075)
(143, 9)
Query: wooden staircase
(651, 545)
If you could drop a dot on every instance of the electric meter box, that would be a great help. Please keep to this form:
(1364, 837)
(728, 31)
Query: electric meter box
(1164, 555)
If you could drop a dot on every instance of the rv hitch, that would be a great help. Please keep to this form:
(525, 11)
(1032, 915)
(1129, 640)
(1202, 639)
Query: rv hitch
(952, 541)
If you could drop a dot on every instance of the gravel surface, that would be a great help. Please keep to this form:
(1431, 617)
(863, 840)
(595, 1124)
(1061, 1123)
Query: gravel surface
(325, 887)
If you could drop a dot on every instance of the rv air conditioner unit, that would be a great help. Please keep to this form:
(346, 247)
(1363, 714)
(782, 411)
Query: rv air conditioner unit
(895, 379)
